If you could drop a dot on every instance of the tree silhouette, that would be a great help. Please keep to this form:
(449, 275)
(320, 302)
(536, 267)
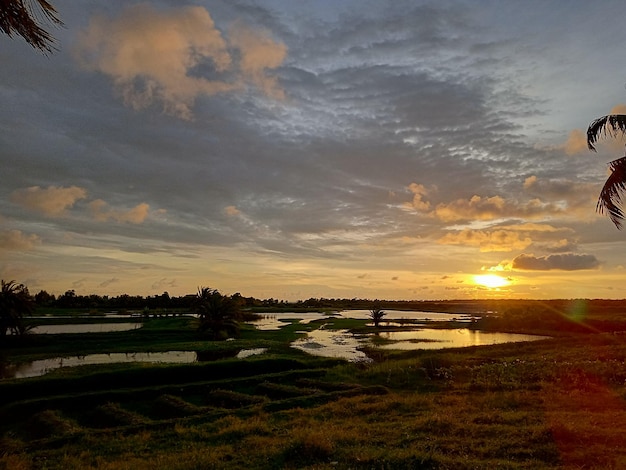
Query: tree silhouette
(377, 314)
(219, 315)
(610, 200)
(15, 302)
(26, 18)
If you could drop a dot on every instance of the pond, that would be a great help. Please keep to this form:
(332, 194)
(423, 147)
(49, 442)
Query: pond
(42, 367)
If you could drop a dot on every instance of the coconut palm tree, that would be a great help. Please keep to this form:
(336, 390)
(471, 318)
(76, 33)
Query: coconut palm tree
(15, 302)
(219, 315)
(610, 200)
(26, 18)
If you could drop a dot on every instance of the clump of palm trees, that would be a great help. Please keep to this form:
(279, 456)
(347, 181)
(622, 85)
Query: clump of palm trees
(610, 200)
(15, 302)
(219, 314)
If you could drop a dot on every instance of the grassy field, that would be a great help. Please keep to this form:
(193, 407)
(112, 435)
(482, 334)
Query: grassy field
(558, 403)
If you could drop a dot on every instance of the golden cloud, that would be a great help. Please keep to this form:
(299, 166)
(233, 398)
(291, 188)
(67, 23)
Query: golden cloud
(15, 240)
(231, 211)
(576, 142)
(135, 215)
(419, 194)
(618, 109)
(496, 240)
(259, 52)
(173, 57)
(477, 208)
(52, 201)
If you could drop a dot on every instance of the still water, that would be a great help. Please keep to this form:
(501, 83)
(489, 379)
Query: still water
(84, 328)
(42, 367)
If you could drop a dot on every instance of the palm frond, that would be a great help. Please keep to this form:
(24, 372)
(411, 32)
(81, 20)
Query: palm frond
(610, 200)
(22, 18)
(609, 124)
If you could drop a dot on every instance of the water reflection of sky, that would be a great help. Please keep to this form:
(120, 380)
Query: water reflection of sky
(42, 367)
(274, 321)
(333, 343)
(427, 338)
(414, 315)
(342, 344)
(85, 328)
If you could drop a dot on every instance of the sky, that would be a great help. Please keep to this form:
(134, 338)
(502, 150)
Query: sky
(338, 149)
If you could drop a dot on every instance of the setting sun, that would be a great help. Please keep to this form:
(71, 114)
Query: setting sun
(492, 281)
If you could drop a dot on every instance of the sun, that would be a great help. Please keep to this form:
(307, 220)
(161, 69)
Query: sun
(492, 281)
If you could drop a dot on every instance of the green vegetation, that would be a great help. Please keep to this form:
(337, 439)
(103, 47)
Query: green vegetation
(377, 314)
(558, 403)
(219, 314)
(15, 302)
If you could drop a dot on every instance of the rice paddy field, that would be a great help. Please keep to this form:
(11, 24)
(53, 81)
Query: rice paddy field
(555, 403)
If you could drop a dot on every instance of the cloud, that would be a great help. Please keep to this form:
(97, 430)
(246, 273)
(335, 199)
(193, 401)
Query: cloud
(477, 207)
(164, 283)
(564, 262)
(419, 194)
(532, 227)
(15, 240)
(496, 240)
(135, 215)
(549, 197)
(52, 201)
(259, 52)
(108, 282)
(561, 246)
(231, 211)
(576, 142)
(618, 109)
(173, 57)
(564, 193)
(577, 139)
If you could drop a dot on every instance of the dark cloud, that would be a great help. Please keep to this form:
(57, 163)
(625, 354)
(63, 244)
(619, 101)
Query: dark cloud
(564, 262)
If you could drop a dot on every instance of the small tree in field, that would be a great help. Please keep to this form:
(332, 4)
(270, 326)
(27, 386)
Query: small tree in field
(377, 314)
(15, 302)
(219, 315)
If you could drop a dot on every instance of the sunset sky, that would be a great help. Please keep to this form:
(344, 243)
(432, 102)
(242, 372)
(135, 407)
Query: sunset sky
(296, 149)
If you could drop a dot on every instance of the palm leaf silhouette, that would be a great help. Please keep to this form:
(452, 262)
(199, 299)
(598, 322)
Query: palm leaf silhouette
(610, 200)
(24, 18)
